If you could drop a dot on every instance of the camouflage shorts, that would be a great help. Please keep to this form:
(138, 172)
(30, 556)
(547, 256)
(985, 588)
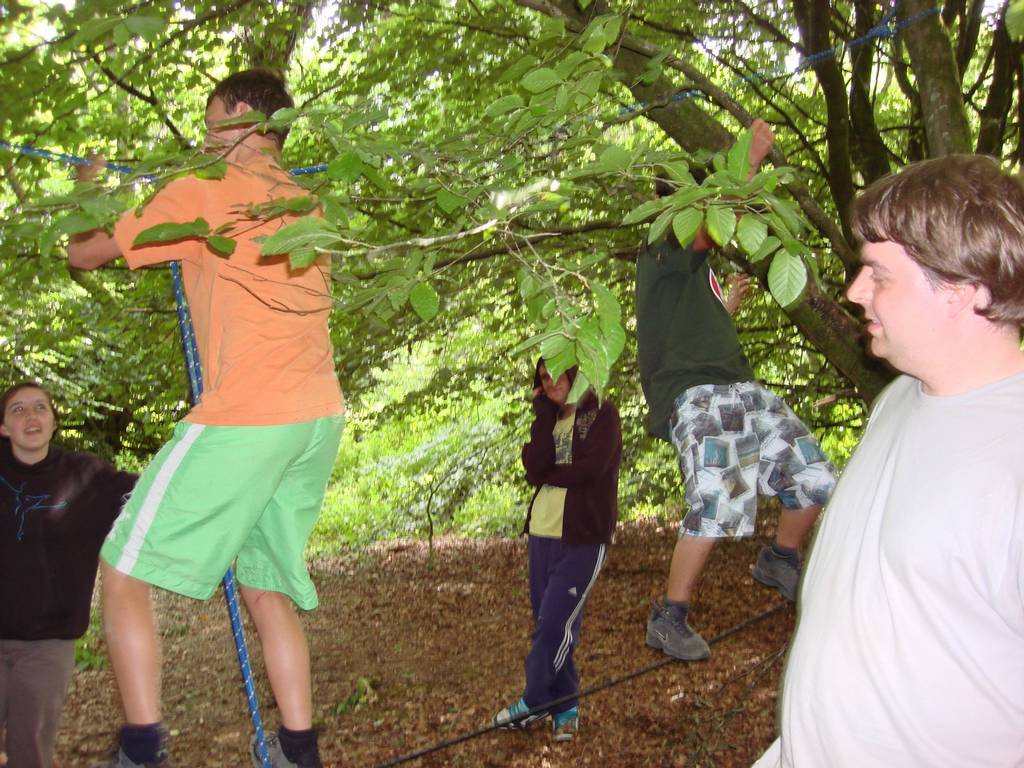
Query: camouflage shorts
(735, 441)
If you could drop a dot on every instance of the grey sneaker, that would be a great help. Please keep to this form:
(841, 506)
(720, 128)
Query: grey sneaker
(773, 571)
(277, 756)
(514, 716)
(121, 760)
(677, 638)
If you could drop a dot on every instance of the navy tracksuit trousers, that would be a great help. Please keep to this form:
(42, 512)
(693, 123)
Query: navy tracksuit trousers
(561, 577)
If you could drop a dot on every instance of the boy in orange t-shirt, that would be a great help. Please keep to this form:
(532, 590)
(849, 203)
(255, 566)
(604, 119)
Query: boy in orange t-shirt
(242, 480)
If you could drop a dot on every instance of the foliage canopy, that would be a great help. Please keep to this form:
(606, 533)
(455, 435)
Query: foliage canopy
(485, 183)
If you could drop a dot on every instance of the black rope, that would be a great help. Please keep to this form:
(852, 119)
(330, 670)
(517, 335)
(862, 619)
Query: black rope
(543, 708)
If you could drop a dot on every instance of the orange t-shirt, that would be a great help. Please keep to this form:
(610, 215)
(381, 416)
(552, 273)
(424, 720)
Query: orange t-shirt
(261, 327)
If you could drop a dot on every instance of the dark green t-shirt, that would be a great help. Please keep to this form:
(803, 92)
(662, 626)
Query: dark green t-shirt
(684, 333)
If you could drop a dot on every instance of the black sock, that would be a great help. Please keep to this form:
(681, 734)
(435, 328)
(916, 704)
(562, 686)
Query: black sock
(679, 609)
(791, 556)
(299, 746)
(143, 743)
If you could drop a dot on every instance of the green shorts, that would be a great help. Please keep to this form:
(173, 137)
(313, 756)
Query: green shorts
(214, 495)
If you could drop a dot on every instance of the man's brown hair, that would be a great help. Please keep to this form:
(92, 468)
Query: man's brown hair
(261, 89)
(961, 218)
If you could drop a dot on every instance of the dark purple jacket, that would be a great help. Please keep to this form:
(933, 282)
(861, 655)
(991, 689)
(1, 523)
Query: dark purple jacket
(591, 481)
(54, 516)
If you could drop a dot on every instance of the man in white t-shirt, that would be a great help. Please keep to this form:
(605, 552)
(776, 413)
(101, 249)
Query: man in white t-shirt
(910, 645)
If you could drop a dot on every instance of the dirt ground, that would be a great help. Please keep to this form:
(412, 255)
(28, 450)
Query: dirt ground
(410, 649)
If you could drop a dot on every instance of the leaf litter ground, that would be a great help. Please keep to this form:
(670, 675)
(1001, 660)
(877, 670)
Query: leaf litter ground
(411, 648)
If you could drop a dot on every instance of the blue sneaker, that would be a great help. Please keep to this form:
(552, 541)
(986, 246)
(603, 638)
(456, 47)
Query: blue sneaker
(515, 717)
(565, 725)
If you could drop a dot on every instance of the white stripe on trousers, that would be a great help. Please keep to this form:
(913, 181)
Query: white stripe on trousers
(566, 646)
(154, 496)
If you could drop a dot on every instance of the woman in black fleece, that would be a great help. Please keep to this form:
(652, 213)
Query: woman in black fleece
(56, 507)
(572, 460)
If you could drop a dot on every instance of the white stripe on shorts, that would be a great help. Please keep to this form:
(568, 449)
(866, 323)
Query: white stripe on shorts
(566, 646)
(154, 496)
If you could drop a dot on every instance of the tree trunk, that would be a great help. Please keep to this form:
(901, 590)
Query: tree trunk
(938, 81)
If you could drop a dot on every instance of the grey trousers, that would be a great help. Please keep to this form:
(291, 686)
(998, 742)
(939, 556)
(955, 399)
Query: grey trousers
(34, 677)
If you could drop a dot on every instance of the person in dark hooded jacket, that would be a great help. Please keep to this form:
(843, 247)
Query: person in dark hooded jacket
(56, 507)
(572, 459)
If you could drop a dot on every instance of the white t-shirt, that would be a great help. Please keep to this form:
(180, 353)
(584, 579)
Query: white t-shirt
(909, 649)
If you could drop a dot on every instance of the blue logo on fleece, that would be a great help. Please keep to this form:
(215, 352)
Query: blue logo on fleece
(25, 503)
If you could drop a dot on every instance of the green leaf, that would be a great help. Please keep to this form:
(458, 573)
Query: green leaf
(535, 307)
(146, 27)
(302, 257)
(563, 361)
(591, 354)
(610, 30)
(540, 80)
(552, 27)
(251, 117)
(169, 232)
(347, 167)
(751, 233)
(568, 65)
(518, 69)
(375, 177)
(225, 246)
(561, 99)
(449, 201)
(786, 214)
(94, 28)
(591, 84)
(535, 340)
(285, 116)
(424, 301)
(684, 197)
(558, 354)
(679, 172)
(615, 158)
(307, 232)
(768, 247)
(660, 225)
(504, 105)
(644, 211)
(528, 284)
(217, 169)
(600, 33)
(300, 203)
(48, 239)
(121, 35)
(686, 224)
(580, 385)
(609, 311)
(615, 341)
(76, 222)
(721, 223)
(738, 160)
(787, 277)
(335, 212)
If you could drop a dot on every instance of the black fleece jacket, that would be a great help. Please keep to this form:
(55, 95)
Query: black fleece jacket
(591, 481)
(54, 516)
